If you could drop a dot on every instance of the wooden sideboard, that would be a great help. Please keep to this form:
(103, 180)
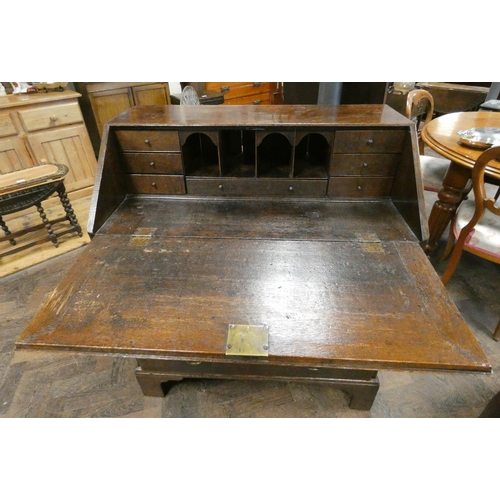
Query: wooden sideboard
(47, 128)
(259, 242)
(101, 102)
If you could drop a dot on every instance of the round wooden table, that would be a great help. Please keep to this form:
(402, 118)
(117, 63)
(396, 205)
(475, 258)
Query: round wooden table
(441, 134)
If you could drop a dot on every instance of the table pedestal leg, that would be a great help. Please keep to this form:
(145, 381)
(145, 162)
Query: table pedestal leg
(450, 196)
(155, 376)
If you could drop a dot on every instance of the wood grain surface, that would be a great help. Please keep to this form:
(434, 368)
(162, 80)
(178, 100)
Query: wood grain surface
(353, 299)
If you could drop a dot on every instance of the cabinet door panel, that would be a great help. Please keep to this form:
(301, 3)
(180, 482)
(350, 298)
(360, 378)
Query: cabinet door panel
(151, 94)
(14, 155)
(7, 126)
(107, 105)
(71, 147)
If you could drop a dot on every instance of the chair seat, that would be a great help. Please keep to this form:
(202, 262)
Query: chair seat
(433, 172)
(485, 237)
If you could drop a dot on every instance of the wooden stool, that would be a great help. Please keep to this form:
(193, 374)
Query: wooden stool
(29, 187)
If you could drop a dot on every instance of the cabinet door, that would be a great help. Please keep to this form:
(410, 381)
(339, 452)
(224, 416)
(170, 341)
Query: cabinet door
(108, 104)
(70, 146)
(14, 155)
(151, 94)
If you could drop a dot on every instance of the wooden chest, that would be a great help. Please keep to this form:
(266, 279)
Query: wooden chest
(272, 242)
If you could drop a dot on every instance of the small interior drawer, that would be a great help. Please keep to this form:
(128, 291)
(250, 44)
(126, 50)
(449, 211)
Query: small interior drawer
(155, 184)
(363, 164)
(148, 140)
(50, 117)
(255, 187)
(359, 187)
(152, 163)
(368, 141)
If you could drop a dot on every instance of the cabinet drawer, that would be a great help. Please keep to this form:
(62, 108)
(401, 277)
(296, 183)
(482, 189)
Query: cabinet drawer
(155, 184)
(148, 140)
(368, 141)
(256, 99)
(364, 165)
(152, 163)
(50, 117)
(255, 187)
(232, 90)
(7, 126)
(359, 187)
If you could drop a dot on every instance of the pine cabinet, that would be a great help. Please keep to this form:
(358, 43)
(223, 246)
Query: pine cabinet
(47, 128)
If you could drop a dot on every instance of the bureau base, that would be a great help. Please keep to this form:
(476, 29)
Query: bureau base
(155, 377)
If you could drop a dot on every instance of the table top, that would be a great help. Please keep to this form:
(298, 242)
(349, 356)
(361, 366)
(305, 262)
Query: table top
(30, 177)
(343, 283)
(441, 134)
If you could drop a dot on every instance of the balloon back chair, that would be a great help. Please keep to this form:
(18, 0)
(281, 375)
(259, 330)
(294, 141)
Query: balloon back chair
(420, 109)
(476, 224)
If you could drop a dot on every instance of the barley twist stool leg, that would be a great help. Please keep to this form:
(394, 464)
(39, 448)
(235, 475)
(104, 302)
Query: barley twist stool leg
(6, 231)
(70, 214)
(46, 222)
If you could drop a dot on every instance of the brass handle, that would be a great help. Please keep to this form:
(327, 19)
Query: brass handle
(257, 84)
(256, 102)
(224, 89)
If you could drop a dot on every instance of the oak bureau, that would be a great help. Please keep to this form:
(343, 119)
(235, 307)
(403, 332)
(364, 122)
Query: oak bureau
(269, 242)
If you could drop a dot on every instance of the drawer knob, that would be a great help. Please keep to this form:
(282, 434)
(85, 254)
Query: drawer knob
(221, 186)
(153, 184)
(365, 165)
(53, 118)
(147, 141)
(152, 164)
(256, 102)
(290, 188)
(369, 141)
(359, 188)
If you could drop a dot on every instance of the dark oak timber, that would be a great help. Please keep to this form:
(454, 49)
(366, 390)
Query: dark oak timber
(340, 279)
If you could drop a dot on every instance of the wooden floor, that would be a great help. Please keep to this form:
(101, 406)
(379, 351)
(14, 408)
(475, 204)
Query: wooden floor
(41, 384)
(24, 258)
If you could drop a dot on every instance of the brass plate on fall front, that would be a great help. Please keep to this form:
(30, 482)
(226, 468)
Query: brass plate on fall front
(247, 340)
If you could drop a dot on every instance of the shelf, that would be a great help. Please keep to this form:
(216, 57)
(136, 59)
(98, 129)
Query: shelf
(200, 156)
